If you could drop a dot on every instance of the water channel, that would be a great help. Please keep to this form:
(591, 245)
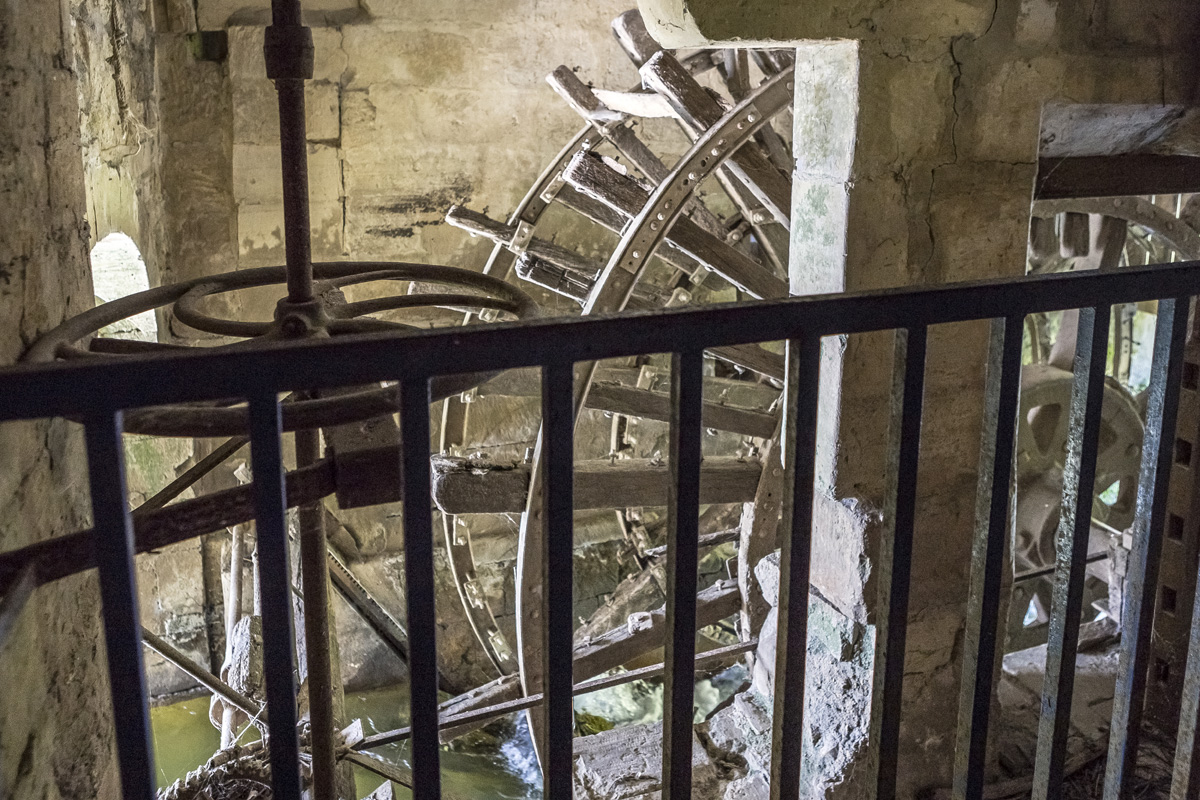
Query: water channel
(483, 767)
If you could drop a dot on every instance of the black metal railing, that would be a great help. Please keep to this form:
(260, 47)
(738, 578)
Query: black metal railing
(97, 394)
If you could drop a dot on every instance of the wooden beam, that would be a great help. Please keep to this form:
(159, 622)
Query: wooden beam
(509, 235)
(593, 656)
(1110, 176)
(462, 486)
(591, 176)
(699, 110)
(608, 396)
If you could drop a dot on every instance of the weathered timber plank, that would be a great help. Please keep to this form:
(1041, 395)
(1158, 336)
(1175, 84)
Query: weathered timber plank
(584, 101)
(343, 443)
(635, 40)
(65, 555)
(698, 109)
(1107, 176)
(481, 225)
(594, 178)
(752, 357)
(461, 486)
(577, 287)
(652, 405)
(609, 393)
(649, 631)
(602, 215)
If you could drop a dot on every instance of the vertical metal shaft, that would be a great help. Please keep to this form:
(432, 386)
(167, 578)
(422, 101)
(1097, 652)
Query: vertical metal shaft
(293, 152)
(683, 515)
(896, 551)
(419, 586)
(798, 438)
(288, 51)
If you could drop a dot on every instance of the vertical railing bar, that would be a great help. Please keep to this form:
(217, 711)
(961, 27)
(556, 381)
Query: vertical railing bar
(987, 555)
(1185, 780)
(1074, 528)
(275, 590)
(1141, 584)
(113, 546)
(558, 542)
(683, 518)
(799, 433)
(896, 555)
(314, 577)
(419, 585)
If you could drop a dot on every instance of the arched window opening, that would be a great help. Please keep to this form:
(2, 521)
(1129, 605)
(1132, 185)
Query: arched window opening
(119, 271)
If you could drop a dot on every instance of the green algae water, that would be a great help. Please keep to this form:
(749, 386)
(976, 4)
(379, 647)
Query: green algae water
(499, 768)
(184, 739)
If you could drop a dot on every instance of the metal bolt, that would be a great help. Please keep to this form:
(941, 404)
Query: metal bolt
(293, 326)
(759, 217)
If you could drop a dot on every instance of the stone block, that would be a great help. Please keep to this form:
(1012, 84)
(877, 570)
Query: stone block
(1003, 125)
(258, 175)
(767, 573)
(172, 603)
(218, 14)
(246, 53)
(260, 232)
(626, 763)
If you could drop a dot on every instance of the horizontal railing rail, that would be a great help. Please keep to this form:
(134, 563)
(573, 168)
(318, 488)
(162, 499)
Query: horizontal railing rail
(151, 379)
(96, 394)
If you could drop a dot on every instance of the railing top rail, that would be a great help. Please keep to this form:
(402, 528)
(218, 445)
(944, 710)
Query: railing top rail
(74, 388)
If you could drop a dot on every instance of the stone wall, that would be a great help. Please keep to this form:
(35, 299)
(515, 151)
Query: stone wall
(412, 108)
(53, 730)
(916, 129)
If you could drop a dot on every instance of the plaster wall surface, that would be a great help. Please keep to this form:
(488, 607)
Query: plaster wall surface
(53, 730)
(917, 135)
